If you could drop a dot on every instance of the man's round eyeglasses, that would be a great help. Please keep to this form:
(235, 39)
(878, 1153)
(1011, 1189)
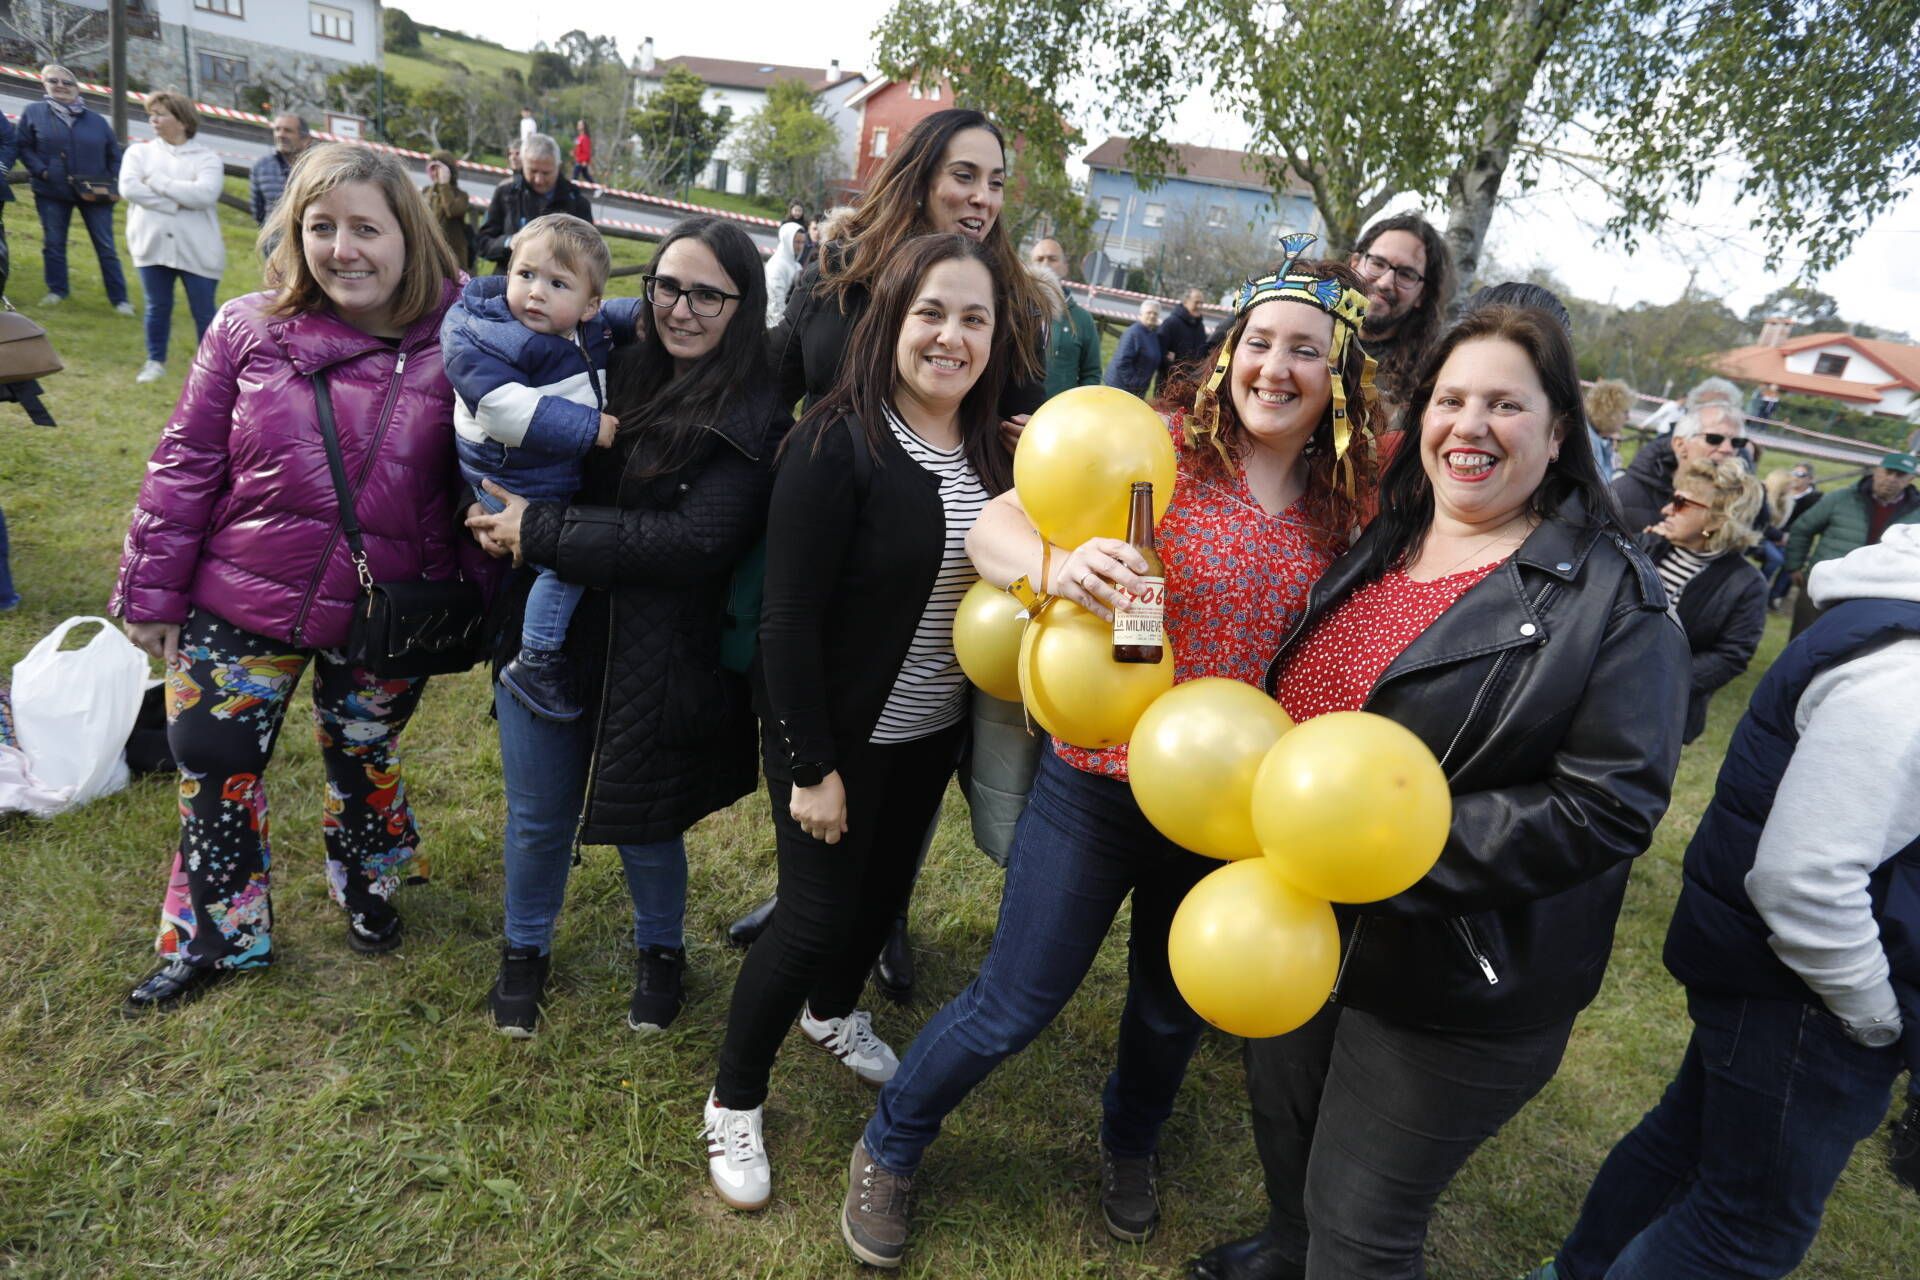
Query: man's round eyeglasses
(1373, 266)
(702, 301)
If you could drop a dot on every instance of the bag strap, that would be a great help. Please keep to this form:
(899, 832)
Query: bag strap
(337, 465)
(593, 374)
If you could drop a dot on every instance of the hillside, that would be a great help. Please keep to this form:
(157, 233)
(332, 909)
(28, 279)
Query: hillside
(441, 50)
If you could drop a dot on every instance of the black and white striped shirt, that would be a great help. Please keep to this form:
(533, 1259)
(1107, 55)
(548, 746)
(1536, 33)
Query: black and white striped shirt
(930, 693)
(1679, 567)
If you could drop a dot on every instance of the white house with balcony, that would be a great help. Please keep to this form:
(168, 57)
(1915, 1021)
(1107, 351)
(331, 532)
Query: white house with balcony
(1870, 374)
(211, 49)
(742, 88)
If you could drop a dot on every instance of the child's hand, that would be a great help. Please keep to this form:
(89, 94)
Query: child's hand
(608, 425)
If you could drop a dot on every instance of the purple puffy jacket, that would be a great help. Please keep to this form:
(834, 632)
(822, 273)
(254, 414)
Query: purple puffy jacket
(237, 514)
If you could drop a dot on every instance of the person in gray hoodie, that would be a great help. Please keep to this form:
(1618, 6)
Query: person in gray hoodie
(1797, 938)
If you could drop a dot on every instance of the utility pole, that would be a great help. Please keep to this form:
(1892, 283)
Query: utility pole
(117, 63)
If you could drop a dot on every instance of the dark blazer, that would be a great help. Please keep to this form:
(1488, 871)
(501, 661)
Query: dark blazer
(515, 204)
(1135, 360)
(55, 152)
(1724, 613)
(1552, 695)
(1647, 484)
(853, 549)
(808, 345)
(675, 736)
(9, 152)
(1183, 339)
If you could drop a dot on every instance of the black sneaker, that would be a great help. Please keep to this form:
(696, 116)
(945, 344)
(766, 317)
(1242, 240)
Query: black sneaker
(517, 992)
(1129, 1195)
(1903, 1145)
(171, 985)
(542, 682)
(375, 937)
(873, 1217)
(659, 993)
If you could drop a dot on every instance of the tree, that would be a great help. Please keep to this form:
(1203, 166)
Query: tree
(402, 32)
(1196, 252)
(59, 32)
(1800, 304)
(586, 54)
(791, 142)
(547, 70)
(674, 135)
(1368, 99)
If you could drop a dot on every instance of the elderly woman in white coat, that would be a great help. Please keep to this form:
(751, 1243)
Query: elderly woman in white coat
(783, 268)
(172, 185)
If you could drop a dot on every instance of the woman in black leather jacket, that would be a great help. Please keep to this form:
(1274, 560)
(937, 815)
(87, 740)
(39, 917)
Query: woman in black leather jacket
(1495, 608)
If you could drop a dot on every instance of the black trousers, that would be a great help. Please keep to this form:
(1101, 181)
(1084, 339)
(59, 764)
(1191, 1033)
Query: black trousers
(1361, 1123)
(837, 902)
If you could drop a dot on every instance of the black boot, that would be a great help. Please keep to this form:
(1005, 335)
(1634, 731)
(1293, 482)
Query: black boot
(893, 971)
(171, 985)
(541, 680)
(743, 931)
(659, 988)
(1257, 1257)
(373, 937)
(1903, 1151)
(517, 992)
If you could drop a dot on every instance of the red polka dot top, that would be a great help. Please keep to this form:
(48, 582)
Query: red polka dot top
(1335, 667)
(1237, 581)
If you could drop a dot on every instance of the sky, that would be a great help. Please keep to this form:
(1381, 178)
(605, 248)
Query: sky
(1552, 226)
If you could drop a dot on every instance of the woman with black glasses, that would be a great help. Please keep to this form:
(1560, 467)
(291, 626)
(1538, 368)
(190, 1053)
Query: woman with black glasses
(653, 534)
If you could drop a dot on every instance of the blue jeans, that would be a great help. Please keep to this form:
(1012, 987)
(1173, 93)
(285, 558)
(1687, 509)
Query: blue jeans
(56, 217)
(1728, 1175)
(157, 284)
(1081, 847)
(544, 765)
(1773, 565)
(550, 600)
(8, 598)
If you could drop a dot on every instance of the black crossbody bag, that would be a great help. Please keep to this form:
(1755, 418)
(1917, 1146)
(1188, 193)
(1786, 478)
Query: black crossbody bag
(400, 629)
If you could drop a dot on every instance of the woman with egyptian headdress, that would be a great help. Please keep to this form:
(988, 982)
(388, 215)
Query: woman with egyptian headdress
(1274, 440)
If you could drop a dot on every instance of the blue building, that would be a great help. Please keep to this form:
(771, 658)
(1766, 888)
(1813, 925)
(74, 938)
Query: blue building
(1208, 186)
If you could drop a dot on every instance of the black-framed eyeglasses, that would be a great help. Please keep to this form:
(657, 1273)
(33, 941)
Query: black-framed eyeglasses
(1715, 439)
(1372, 266)
(701, 299)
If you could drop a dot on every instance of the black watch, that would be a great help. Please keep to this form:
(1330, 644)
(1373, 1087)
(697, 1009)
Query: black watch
(808, 773)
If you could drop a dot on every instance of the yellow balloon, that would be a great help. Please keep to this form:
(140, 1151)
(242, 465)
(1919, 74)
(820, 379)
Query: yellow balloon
(1192, 759)
(1072, 685)
(1253, 955)
(1351, 807)
(1078, 459)
(986, 638)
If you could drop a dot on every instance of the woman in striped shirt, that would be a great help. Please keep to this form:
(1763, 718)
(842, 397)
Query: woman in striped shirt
(861, 698)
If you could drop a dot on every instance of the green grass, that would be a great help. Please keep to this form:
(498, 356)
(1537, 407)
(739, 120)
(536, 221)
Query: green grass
(345, 1117)
(438, 53)
(757, 206)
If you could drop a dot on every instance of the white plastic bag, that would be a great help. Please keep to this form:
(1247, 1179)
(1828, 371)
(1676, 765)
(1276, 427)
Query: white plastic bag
(73, 709)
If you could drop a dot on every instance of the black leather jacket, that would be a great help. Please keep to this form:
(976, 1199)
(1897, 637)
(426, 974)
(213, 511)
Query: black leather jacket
(1552, 693)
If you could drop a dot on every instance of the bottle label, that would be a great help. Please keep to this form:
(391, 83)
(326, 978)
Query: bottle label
(1144, 621)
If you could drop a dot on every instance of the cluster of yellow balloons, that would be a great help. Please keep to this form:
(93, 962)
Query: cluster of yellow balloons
(1348, 807)
(1074, 470)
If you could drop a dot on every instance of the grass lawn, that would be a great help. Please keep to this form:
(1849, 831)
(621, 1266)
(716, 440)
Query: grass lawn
(343, 1117)
(756, 206)
(430, 65)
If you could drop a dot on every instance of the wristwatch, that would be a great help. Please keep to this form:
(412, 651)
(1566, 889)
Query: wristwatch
(808, 773)
(1875, 1033)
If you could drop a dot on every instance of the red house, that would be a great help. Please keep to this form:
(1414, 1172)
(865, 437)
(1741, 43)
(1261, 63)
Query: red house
(888, 110)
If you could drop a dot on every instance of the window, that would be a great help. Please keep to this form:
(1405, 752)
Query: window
(1827, 365)
(1155, 215)
(231, 8)
(1109, 208)
(330, 23)
(216, 70)
(1217, 215)
(879, 150)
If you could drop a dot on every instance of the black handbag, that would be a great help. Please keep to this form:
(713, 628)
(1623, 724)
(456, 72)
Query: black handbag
(400, 629)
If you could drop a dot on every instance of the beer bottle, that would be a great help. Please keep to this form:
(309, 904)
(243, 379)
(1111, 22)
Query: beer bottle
(1139, 626)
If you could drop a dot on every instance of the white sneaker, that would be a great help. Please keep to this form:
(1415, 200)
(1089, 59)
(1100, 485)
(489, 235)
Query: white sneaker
(125, 308)
(151, 371)
(53, 299)
(737, 1156)
(851, 1040)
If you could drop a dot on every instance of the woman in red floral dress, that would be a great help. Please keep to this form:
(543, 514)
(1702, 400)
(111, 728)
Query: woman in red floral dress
(1272, 475)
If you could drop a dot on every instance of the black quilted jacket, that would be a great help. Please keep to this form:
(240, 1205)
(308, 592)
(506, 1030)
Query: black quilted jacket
(676, 736)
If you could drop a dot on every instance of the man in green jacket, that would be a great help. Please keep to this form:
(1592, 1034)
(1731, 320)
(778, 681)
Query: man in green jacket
(1848, 519)
(1073, 351)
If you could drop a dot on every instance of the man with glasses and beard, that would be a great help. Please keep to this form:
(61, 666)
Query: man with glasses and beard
(1409, 278)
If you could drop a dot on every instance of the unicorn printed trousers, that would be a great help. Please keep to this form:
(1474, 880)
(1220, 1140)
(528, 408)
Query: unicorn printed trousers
(227, 695)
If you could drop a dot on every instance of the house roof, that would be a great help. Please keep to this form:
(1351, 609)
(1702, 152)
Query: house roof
(1199, 164)
(729, 73)
(1769, 364)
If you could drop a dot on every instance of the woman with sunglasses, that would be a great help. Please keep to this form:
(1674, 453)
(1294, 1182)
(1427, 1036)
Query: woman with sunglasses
(1721, 599)
(654, 535)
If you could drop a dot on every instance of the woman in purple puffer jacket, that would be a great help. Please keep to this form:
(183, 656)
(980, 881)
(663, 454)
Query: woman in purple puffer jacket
(236, 572)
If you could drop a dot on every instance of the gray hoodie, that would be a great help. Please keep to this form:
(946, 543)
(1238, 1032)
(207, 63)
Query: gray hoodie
(1850, 797)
